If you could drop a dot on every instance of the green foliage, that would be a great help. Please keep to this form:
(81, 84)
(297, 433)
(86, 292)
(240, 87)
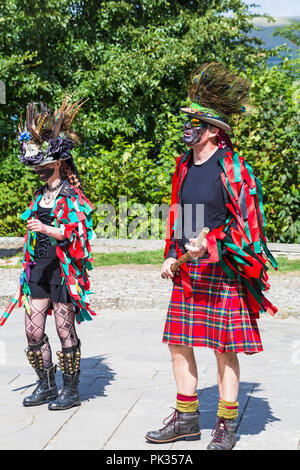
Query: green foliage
(132, 59)
(286, 265)
(17, 185)
(291, 31)
(268, 138)
(142, 257)
(156, 257)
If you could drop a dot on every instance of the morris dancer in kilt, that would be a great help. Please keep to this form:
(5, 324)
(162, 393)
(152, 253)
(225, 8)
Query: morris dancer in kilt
(56, 254)
(217, 296)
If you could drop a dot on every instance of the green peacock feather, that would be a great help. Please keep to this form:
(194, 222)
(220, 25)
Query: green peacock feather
(214, 87)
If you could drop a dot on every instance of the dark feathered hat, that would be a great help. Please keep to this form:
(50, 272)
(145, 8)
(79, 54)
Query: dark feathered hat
(215, 94)
(46, 137)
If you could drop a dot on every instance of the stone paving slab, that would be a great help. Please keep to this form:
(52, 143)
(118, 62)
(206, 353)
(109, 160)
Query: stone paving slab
(127, 387)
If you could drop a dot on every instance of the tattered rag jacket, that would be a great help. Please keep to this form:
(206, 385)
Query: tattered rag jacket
(243, 234)
(72, 214)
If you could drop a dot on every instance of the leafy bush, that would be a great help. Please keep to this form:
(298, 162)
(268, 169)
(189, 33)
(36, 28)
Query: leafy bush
(269, 140)
(132, 59)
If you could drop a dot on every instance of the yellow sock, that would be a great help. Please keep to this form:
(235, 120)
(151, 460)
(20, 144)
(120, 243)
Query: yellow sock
(228, 409)
(187, 403)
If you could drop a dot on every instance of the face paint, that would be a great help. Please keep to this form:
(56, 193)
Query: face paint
(44, 173)
(193, 131)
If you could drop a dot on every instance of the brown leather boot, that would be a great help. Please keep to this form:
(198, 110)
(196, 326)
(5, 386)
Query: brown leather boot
(181, 426)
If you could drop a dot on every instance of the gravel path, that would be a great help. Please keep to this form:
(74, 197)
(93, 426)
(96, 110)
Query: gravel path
(142, 287)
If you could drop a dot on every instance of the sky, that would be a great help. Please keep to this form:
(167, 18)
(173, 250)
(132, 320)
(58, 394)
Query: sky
(276, 7)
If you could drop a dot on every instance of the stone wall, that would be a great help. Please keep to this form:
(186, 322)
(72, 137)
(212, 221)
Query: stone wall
(10, 246)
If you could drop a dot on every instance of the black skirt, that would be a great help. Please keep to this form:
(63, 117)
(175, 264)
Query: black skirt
(46, 282)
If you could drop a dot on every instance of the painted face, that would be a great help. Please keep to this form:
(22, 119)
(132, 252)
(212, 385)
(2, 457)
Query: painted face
(44, 171)
(193, 131)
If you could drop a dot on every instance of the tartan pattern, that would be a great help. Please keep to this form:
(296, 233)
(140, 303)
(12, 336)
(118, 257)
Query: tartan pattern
(216, 316)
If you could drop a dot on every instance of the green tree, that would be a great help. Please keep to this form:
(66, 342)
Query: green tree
(268, 138)
(290, 31)
(132, 59)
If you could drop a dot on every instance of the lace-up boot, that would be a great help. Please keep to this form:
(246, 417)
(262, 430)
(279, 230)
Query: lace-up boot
(223, 435)
(181, 426)
(46, 389)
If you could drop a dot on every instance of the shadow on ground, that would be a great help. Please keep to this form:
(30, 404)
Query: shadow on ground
(9, 252)
(255, 412)
(95, 376)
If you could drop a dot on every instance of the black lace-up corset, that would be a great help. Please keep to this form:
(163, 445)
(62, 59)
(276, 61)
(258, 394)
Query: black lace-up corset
(43, 247)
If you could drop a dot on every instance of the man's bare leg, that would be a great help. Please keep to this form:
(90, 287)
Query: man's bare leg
(228, 375)
(185, 369)
(184, 423)
(228, 382)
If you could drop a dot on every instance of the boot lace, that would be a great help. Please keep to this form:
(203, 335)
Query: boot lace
(173, 421)
(219, 430)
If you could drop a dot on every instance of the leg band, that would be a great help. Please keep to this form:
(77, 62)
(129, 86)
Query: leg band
(69, 359)
(228, 409)
(187, 403)
(34, 354)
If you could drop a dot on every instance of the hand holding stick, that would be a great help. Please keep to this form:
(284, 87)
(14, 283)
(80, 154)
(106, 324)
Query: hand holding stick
(188, 256)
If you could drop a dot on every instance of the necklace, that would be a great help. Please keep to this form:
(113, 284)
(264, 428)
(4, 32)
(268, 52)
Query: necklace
(49, 193)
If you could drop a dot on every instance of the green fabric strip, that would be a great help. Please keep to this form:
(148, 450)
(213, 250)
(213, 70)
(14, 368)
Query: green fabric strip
(253, 292)
(26, 214)
(186, 156)
(236, 168)
(260, 199)
(250, 171)
(236, 249)
(257, 247)
(250, 252)
(239, 259)
(269, 255)
(36, 203)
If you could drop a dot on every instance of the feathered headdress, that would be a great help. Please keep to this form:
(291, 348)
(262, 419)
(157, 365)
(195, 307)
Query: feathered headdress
(216, 94)
(46, 137)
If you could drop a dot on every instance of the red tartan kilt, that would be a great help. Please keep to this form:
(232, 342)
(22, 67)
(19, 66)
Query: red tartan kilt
(216, 316)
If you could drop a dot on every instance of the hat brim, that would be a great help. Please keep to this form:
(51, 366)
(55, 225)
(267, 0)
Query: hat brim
(210, 120)
(49, 159)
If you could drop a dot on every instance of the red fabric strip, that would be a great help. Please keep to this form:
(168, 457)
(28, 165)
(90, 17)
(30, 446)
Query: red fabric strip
(230, 174)
(252, 220)
(186, 397)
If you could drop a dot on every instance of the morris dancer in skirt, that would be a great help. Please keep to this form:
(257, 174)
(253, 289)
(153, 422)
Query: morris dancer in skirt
(56, 254)
(217, 296)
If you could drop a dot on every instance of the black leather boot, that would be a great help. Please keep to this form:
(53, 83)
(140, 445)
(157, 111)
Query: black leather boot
(46, 389)
(182, 426)
(224, 435)
(69, 359)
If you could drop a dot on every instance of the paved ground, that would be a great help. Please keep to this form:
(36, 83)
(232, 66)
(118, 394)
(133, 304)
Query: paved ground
(127, 386)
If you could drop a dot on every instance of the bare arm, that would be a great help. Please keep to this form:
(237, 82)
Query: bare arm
(36, 225)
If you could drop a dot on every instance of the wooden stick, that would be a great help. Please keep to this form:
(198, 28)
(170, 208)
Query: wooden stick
(188, 256)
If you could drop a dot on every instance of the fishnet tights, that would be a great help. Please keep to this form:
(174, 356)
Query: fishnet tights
(36, 322)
